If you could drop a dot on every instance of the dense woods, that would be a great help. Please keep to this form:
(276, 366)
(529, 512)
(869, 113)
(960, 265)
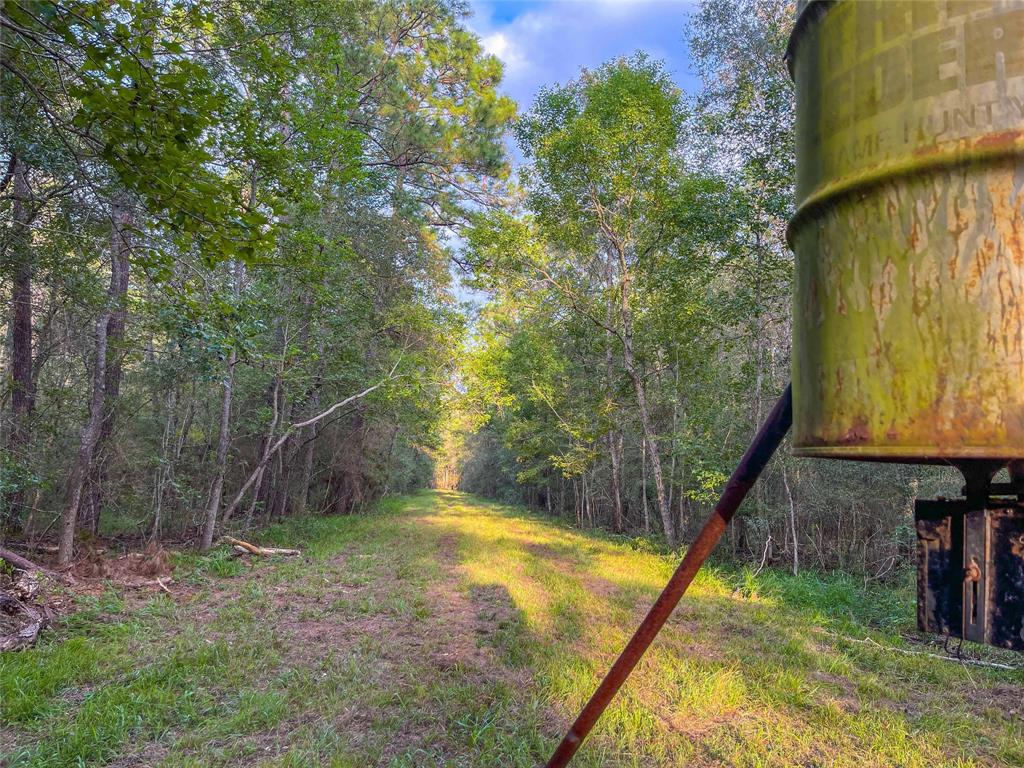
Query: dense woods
(229, 238)
(225, 273)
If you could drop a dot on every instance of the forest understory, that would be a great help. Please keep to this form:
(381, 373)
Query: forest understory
(444, 630)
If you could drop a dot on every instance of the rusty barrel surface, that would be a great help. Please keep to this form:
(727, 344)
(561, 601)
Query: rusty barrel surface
(909, 231)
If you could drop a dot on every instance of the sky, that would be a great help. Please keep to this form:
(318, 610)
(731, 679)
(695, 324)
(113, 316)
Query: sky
(544, 42)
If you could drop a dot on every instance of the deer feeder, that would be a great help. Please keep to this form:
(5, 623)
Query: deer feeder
(908, 312)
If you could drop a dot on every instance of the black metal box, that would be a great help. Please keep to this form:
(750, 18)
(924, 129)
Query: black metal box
(970, 571)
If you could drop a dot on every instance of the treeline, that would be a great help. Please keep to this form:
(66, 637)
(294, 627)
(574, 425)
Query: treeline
(639, 328)
(225, 269)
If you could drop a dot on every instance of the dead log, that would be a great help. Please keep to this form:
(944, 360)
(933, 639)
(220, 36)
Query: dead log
(27, 586)
(252, 549)
(26, 635)
(22, 563)
(49, 549)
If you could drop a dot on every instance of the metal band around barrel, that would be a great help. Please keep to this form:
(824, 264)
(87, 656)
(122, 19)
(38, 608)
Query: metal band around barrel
(910, 166)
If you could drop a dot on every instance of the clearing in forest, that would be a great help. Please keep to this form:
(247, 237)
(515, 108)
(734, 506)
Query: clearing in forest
(446, 631)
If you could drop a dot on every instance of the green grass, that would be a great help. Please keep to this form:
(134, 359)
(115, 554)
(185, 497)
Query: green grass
(446, 631)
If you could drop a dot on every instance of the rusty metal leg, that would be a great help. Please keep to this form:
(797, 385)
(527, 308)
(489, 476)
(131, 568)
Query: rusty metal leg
(740, 482)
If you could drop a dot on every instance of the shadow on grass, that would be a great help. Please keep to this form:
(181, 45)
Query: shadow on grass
(748, 671)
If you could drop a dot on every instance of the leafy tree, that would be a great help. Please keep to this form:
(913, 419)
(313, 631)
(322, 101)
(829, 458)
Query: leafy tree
(239, 210)
(611, 205)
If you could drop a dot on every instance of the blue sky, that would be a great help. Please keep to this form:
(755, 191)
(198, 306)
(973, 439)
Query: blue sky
(543, 42)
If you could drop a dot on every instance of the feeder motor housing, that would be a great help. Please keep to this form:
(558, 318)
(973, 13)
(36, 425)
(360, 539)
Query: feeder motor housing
(970, 579)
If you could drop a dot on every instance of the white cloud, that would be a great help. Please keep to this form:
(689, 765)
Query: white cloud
(499, 45)
(547, 41)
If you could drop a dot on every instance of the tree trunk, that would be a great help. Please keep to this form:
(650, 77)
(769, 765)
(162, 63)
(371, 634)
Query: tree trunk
(223, 444)
(277, 497)
(86, 445)
(792, 521)
(387, 464)
(311, 435)
(614, 435)
(165, 468)
(280, 405)
(264, 454)
(251, 509)
(117, 299)
(643, 485)
(577, 507)
(264, 479)
(645, 418)
(588, 517)
(22, 388)
(672, 442)
(223, 439)
(615, 452)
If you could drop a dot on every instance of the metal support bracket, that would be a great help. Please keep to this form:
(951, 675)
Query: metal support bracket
(970, 570)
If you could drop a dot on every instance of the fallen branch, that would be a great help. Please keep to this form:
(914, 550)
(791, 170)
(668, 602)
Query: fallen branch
(23, 563)
(908, 652)
(275, 447)
(252, 549)
(149, 583)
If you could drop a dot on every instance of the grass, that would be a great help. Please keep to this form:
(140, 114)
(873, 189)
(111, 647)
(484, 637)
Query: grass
(446, 631)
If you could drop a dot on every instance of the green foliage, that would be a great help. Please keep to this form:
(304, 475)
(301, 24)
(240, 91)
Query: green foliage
(601, 155)
(136, 102)
(617, 264)
(656, 220)
(288, 175)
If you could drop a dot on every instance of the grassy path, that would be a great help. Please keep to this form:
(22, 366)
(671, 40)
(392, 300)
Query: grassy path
(446, 631)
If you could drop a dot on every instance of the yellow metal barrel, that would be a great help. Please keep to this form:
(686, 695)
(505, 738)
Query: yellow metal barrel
(908, 337)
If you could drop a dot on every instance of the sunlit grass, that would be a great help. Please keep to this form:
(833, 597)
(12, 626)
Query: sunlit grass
(750, 670)
(446, 631)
